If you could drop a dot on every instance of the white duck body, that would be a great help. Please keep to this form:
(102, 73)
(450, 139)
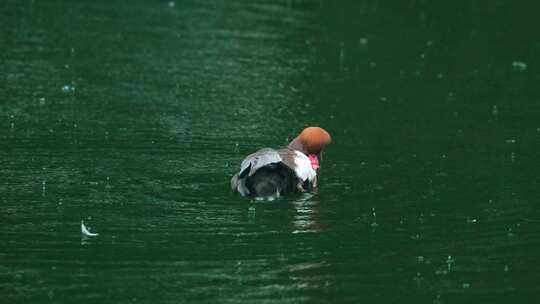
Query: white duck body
(271, 173)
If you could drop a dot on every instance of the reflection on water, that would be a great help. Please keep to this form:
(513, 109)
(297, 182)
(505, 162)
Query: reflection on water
(132, 117)
(305, 219)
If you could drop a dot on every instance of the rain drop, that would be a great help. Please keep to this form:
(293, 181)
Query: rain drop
(374, 224)
(437, 300)
(68, 89)
(418, 278)
(471, 220)
(449, 262)
(510, 233)
(341, 54)
(519, 65)
(494, 111)
(363, 41)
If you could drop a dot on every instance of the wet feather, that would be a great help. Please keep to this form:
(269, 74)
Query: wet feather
(85, 230)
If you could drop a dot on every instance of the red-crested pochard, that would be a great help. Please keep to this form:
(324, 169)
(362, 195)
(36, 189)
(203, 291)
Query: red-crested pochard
(272, 173)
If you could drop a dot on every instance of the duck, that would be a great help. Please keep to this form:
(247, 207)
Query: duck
(271, 173)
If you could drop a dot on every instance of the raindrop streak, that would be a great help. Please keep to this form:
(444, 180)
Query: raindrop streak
(418, 278)
(43, 187)
(510, 233)
(374, 223)
(341, 55)
(449, 262)
(494, 111)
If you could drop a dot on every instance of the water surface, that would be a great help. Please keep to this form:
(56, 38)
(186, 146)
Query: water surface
(134, 116)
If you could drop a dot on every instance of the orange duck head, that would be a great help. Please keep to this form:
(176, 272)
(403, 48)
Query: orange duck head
(311, 142)
(314, 139)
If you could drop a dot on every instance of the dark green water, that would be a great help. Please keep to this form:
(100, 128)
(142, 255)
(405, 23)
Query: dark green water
(133, 115)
